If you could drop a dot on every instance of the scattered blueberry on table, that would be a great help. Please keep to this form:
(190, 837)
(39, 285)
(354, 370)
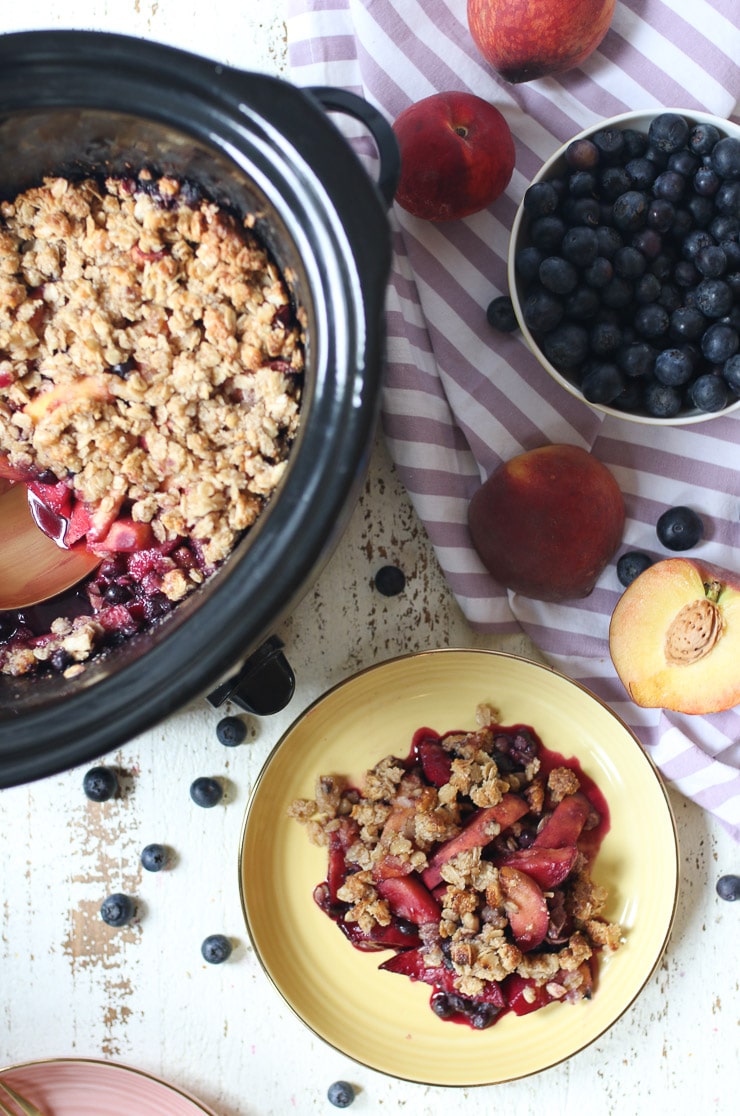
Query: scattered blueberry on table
(631, 564)
(117, 909)
(155, 857)
(100, 784)
(390, 581)
(341, 1094)
(231, 731)
(728, 888)
(500, 314)
(216, 948)
(680, 528)
(206, 791)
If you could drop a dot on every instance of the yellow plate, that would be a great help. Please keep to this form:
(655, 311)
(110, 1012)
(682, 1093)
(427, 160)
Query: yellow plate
(382, 1019)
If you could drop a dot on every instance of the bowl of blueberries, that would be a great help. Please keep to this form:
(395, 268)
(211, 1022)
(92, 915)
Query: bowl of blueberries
(624, 266)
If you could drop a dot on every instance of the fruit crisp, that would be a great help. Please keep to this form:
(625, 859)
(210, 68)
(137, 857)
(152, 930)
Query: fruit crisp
(471, 859)
(150, 381)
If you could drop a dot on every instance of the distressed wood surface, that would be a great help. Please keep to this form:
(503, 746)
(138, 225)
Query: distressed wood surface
(71, 986)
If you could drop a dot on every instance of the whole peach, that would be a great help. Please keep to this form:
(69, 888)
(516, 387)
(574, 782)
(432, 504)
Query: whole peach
(547, 522)
(527, 39)
(457, 156)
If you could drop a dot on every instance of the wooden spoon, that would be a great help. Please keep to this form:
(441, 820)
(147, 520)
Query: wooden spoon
(32, 566)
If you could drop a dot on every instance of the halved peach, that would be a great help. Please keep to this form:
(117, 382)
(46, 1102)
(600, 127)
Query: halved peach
(674, 637)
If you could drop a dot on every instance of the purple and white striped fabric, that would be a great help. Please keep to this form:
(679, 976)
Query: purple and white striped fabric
(459, 399)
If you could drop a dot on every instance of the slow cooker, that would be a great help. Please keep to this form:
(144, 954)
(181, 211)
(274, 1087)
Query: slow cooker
(76, 103)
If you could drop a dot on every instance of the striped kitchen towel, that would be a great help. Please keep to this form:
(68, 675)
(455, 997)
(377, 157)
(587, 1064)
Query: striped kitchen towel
(459, 399)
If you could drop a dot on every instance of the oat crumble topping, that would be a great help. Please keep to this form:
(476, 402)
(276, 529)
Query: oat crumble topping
(150, 359)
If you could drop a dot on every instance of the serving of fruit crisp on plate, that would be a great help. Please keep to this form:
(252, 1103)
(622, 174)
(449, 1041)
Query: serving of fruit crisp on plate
(497, 862)
(471, 858)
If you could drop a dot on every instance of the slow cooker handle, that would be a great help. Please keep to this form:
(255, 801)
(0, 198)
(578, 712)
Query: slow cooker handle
(343, 100)
(263, 685)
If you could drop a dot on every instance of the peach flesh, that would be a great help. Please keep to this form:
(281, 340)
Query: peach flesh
(674, 637)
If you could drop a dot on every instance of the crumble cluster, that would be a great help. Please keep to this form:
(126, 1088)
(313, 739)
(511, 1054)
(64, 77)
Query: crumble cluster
(149, 356)
(398, 814)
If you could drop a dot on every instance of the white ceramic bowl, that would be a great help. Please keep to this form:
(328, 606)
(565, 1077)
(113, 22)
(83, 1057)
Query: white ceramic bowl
(640, 121)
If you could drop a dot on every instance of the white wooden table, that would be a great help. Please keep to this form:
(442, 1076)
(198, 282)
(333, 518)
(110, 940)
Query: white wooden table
(142, 995)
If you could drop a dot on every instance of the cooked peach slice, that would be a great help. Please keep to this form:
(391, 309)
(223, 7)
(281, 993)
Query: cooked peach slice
(547, 867)
(563, 828)
(525, 906)
(408, 898)
(76, 391)
(484, 825)
(674, 637)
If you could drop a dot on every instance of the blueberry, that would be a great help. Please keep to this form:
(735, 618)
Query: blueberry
(205, 791)
(527, 263)
(661, 215)
(100, 783)
(631, 564)
(725, 157)
(719, 342)
(731, 373)
(341, 1094)
(668, 132)
(651, 321)
(610, 144)
(583, 211)
(216, 948)
(608, 240)
(390, 581)
(629, 262)
(702, 138)
(674, 367)
(642, 172)
(605, 338)
(613, 182)
(648, 288)
(711, 261)
(231, 731)
(154, 857)
(582, 154)
(661, 400)
(566, 346)
(540, 199)
(669, 186)
(617, 294)
(679, 528)
(580, 245)
(714, 298)
(542, 310)
(547, 233)
(728, 888)
(637, 359)
(582, 304)
(709, 393)
(687, 323)
(581, 184)
(600, 273)
(602, 383)
(727, 201)
(117, 909)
